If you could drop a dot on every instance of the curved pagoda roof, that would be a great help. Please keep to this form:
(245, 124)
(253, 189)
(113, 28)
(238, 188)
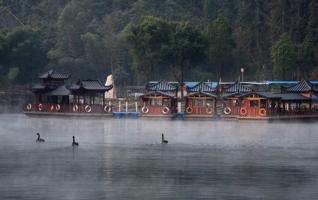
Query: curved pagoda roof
(156, 94)
(60, 91)
(200, 94)
(161, 86)
(90, 85)
(54, 75)
(237, 87)
(201, 86)
(301, 86)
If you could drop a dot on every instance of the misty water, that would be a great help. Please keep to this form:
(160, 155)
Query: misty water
(124, 159)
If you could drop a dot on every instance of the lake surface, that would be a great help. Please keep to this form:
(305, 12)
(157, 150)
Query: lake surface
(124, 159)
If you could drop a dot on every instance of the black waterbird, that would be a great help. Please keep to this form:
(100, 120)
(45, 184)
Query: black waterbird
(74, 143)
(163, 141)
(39, 139)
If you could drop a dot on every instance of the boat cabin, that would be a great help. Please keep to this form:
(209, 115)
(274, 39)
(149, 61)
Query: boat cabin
(231, 99)
(54, 95)
(49, 92)
(159, 100)
(266, 104)
(200, 100)
(89, 96)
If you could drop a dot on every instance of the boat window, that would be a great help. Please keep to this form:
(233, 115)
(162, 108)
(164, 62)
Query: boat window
(156, 102)
(209, 102)
(199, 102)
(165, 102)
(263, 103)
(236, 103)
(254, 104)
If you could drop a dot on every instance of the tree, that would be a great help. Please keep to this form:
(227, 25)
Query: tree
(158, 43)
(284, 57)
(21, 55)
(186, 48)
(221, 45)
(149, 40)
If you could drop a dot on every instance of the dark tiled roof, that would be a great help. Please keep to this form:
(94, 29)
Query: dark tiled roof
(38, 86)
(201, 94)
(53, 74)
(293, 97)
(158, 93)
(202, 86)
(302, 86)
(268, 95)
(59, 91)
(237, 87)
(90, 85)
(161, 86)
(230, 95)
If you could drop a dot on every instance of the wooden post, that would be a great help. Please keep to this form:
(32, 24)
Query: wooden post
(126, 106)
(119, 106)
(136, 104)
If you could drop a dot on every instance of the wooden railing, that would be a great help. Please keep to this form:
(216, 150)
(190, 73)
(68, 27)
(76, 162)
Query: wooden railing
(67, 108)
(156, 110)
(255, 112)
(200, 110)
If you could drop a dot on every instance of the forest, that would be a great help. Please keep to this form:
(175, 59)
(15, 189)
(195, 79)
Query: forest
(142, 40)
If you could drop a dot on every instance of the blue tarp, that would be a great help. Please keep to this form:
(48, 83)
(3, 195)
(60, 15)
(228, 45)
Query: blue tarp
(314, 98)
(281, 82)
(287, 82)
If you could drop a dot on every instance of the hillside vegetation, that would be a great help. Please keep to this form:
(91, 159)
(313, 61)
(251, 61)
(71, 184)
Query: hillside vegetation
(142, 40)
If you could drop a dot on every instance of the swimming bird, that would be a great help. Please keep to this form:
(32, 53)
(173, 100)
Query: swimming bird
(163, 141)
(39, 139)
(74, 143)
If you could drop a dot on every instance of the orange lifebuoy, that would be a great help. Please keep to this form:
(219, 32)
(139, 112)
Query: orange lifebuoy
(243, 111)
(40, 107)
(88, 108)
(209, 110)
(165, 110)
(29, 107)
(144, 109)
(107, 108)
(227, 110)
(189, 110)
(262, 112)
(75, 108)
(57, 107)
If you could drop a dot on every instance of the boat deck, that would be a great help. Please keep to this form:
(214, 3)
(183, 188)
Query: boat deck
(67, 114)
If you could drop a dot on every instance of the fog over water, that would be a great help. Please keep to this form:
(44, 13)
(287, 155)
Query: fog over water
(124, 159)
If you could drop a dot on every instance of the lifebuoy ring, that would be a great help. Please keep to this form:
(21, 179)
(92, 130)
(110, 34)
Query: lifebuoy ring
(29, 107)
(52, 107)
(243, 111)
(57, 107)
(107, 109)
(262, 112)
(144, 109)
(209, 110)
(227, 110)
(189, 110)
(165, 110)
(88, 108)
(75, 108)
(40, 107)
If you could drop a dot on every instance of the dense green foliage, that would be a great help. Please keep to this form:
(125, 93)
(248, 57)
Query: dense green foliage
(141, 40)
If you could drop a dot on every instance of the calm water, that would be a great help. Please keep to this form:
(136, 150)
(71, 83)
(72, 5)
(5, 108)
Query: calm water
(123, 159)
